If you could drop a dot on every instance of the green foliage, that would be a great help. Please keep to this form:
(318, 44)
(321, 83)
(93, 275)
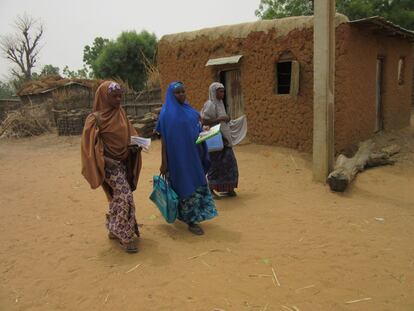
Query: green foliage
(49, 70)
(78, 74)
(400, 12)
(270, 9)
(6, 90)
(123, 58)
(91, 53)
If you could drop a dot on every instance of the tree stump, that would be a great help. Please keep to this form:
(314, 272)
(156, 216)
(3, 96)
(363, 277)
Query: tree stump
(346, 169)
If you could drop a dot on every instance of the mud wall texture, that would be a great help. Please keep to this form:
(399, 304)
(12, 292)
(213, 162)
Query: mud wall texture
(288, 120)
(355, 87)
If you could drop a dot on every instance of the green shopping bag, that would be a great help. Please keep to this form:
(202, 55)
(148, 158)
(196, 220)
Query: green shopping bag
(165, 198)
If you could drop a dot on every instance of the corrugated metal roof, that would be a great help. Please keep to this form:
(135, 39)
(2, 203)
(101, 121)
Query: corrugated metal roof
(224, 60)
(381, 24)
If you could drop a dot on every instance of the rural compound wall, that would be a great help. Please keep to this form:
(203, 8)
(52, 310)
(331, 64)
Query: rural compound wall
(283, 119)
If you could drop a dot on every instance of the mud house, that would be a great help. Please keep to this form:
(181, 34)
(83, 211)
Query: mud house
(267, 68)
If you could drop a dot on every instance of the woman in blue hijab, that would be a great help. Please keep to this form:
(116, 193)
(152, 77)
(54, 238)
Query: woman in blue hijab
(183, 161)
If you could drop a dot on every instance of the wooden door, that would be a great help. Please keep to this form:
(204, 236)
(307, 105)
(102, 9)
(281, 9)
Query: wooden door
(379, 121)
(234, 96)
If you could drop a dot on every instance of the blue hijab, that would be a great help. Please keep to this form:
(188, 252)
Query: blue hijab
(179, 126)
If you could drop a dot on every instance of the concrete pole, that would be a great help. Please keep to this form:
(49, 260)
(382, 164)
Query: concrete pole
(323, 88)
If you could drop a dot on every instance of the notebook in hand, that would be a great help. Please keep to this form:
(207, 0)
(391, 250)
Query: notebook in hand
(213, 131)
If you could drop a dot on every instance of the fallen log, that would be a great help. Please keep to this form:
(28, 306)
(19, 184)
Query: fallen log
(346, 169)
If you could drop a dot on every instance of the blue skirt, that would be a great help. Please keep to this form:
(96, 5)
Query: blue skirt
(198, 207)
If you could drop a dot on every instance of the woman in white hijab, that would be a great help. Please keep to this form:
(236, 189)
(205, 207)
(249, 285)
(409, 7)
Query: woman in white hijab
(223, 174)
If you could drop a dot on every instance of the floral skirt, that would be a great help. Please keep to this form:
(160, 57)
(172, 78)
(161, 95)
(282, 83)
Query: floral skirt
(198, 207)
(120, 220)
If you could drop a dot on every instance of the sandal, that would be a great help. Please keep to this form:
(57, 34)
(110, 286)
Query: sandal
(195, 229)
(216, 196)
(129, 247)
(232, 193)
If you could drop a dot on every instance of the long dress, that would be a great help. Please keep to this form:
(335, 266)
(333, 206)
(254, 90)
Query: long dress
(107, 132)
(179, 126)
(223, 175)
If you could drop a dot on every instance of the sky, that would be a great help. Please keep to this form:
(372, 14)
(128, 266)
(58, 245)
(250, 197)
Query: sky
(70, 25)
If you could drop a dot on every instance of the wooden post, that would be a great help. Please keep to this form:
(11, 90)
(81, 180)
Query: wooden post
(323, 88)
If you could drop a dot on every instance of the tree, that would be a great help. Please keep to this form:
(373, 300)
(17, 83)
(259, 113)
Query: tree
(91, 53)
(124, 58)
(22, 48)
(270, 9)
(400, 12)
(6, 90)
(78, 74)
(49, 70)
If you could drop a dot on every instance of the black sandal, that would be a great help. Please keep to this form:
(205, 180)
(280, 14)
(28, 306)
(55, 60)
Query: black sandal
(195, 229)
(216, 196)
(232, 193)
(129, 247)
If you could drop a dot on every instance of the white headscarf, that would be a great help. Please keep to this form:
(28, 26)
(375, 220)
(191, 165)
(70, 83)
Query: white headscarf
(214, 108)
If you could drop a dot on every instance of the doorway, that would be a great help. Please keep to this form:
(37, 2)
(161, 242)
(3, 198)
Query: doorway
(379, 120)
(233, 101)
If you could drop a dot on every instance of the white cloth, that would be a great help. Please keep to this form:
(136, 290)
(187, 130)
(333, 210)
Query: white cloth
(234, 131)
(238, 129)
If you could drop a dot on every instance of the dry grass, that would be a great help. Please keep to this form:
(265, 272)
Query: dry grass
(24, 122)
(153, 74)
(51, 82)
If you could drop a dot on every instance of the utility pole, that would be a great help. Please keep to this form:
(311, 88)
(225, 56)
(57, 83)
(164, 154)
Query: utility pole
(323, 88)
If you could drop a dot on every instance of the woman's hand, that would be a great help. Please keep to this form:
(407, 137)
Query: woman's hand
(224, 119)
(164, 166)
(163, 169)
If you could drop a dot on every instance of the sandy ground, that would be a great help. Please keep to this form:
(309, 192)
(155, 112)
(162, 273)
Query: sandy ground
(326, 249)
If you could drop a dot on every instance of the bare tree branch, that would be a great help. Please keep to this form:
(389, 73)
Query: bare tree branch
(23, 48)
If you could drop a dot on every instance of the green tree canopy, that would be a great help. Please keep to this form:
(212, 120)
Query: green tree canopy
(400, 12)
(124, 58)
(76, 74)
(91, 53)
(49, 70)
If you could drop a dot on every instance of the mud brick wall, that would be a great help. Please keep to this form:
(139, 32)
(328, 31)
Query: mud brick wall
(282, 119)
(355, 92)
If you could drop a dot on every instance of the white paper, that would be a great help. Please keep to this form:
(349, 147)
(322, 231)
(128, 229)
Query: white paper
(144, 143)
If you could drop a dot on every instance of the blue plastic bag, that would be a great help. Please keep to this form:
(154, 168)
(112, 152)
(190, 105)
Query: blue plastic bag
(215, 143)
(165, 198)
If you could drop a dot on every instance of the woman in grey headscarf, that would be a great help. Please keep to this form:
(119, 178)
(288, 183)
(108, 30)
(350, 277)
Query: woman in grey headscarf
(223, 175)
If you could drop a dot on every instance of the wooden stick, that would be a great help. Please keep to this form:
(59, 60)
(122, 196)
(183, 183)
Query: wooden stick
(260, 275)
(205, 253)
(275, 276)
(358, 300)
(306, 287)
(206, 264)
(132, 269)
(294, 162)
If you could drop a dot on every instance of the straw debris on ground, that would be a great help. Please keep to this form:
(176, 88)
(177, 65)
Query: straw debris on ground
(23, 123)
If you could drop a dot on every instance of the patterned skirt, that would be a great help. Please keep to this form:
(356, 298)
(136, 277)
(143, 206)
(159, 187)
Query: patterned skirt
(223, 175)
(120, 219)
(198, 207)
